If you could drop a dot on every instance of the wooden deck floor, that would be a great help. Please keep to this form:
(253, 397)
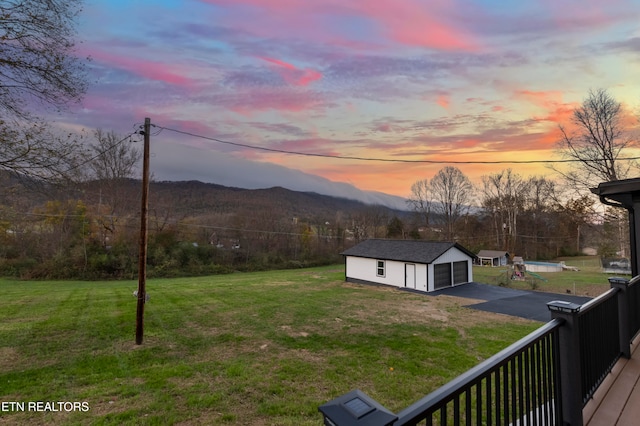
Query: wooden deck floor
(617, 401)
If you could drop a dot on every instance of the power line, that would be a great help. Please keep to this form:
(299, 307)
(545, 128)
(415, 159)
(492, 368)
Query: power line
(388, 160)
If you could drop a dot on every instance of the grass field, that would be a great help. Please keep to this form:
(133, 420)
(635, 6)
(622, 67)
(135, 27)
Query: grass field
(588, 281)
(246, 349)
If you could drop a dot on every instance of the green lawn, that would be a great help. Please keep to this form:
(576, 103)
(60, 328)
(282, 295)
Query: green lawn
(588, 281)
(249, 349)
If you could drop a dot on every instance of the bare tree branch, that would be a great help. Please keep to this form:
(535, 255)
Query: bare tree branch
(420, 200)
(37, 61)
(452, 191)
(596, 141)
(35, 150)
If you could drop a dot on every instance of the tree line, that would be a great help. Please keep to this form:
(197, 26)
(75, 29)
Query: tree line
(91, 230)
(528, 216)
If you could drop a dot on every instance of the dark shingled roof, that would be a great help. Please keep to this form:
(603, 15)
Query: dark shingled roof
(492, 253)
(417, 251)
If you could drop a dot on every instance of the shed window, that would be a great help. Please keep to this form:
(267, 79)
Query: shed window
(380, 269)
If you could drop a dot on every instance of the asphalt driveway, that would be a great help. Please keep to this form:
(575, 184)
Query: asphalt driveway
(518, 303)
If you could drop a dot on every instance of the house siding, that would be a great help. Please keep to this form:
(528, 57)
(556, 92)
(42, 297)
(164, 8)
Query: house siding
(363, 269)
(450, 256)
(402, 257)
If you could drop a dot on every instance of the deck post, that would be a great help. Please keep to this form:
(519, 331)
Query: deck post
(622, 285)
(570, 366)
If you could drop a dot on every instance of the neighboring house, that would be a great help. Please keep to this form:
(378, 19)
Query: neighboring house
(414, 264)
(492, 258)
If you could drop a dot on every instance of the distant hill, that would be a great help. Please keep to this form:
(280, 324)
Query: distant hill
(176, 162)
(182, 199)
(204, 206)
(189, 197)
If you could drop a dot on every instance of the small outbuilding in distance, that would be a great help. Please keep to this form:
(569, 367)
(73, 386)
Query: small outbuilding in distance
(492, 258)
(414, 264)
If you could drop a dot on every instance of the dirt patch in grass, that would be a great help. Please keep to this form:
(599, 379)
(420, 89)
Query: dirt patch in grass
(277, 283)
(9, 358)
(442, 310)
(292, 333)
(131, 345)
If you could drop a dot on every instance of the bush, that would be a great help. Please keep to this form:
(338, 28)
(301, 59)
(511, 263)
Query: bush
(19, 268)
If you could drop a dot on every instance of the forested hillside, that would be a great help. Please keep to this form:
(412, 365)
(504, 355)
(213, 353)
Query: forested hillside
(91, 230)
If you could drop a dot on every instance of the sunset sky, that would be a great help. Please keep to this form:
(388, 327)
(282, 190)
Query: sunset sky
(438, 80)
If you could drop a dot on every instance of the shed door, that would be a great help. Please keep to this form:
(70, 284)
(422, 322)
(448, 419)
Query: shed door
(410, 275)
(460, 272)
(442, 275)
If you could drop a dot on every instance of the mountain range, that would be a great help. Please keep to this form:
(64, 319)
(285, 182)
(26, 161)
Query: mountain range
(183, 163)
(191, 198)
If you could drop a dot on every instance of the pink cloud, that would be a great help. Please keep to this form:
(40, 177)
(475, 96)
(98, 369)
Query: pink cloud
(410, 22)
(192, 126)
(416, 23)
(280, 63)
(591, 13)
(383, 127)
(316, 146)
(468, 143)
(293, 75)
(255, 101)
(159, 71)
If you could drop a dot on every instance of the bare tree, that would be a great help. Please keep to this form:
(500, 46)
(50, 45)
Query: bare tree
(539, 225)
(368, 222)
(114, 157)
(35, 150)
(37, 59)
(37, 67)
(503, 199)
(113, 161)
(595, 142)
(452, 192)
(420, 200)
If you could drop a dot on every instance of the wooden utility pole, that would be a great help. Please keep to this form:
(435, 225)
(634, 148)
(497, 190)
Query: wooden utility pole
(144, 214)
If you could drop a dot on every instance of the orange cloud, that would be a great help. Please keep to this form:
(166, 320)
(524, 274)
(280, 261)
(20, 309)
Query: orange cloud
(540, 98)
(556, 110)
(443, 101)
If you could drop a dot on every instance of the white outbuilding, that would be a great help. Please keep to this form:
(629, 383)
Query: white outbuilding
(413, 264)
(492, 258)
